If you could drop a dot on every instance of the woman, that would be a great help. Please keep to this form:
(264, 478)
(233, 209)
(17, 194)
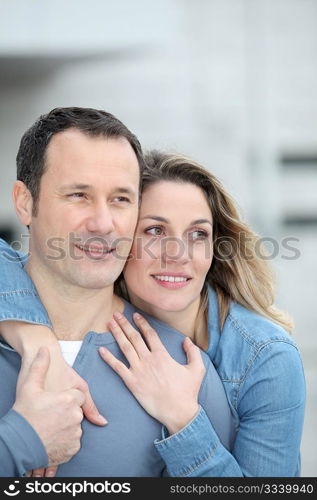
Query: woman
(194, 266)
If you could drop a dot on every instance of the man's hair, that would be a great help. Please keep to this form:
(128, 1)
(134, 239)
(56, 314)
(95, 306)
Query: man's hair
(31, 157)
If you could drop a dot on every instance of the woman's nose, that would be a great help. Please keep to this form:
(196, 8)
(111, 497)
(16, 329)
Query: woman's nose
(175, 249)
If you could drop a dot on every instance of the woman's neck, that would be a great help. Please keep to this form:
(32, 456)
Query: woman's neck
(185, 321)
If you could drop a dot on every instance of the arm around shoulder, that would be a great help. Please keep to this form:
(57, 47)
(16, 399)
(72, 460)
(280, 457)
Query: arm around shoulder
(270, 405)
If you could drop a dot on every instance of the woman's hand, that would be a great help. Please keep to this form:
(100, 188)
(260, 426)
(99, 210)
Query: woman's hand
(167, 390)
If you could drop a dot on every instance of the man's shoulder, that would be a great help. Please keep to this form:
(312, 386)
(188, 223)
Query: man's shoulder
(162, 329)
(171, 338)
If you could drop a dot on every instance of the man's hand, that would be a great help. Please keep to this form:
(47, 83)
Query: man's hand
(60, 377)
(55, 416)
(26, 339)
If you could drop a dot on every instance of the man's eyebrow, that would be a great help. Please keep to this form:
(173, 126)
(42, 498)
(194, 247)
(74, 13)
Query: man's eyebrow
(69, 187)
(127, 190)
(82, 187)
(162, 219)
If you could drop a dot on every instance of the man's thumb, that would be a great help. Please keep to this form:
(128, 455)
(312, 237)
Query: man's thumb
(38, 369)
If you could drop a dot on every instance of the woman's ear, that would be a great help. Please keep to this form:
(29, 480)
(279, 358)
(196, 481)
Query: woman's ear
(23, 202)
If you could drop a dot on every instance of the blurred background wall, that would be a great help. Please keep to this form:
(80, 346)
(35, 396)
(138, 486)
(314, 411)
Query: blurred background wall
(232, 83)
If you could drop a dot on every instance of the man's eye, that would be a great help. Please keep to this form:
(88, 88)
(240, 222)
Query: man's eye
(76, 195)
(122, 199)
(154, 231)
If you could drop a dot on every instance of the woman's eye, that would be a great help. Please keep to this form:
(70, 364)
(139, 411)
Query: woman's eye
(155, 231)
(198, 235)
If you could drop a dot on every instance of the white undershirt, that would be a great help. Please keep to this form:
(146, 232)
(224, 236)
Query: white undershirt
(70, 349)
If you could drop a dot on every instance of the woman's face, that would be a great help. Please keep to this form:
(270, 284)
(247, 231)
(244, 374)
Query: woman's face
(172, 250)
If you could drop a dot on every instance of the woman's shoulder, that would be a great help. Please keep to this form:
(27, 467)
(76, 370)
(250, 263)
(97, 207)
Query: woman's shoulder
(255, 329)
(9, 255)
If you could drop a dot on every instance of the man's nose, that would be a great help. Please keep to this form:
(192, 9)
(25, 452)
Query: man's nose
(100, 220)
(175, 249)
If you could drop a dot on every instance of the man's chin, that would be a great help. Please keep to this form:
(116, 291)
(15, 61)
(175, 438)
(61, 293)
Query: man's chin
(95, 280)
(94, 283)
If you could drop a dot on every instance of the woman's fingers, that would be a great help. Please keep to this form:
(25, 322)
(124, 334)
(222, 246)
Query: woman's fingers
(116, 365)
(194, 358)
(132, 335)
(152, 338)
(124, 343)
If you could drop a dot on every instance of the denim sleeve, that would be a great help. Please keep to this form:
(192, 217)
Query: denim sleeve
(189, 451)
(270, 404)
(19, 299)
(21, 449)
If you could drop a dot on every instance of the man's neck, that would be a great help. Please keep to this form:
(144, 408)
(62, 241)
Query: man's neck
(74, 310)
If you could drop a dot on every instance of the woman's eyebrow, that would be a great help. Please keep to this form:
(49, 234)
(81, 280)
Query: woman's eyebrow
(155, 217)
(200, 221)
(162, 219)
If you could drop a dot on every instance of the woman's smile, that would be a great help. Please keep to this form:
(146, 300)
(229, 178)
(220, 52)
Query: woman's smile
(172, 281)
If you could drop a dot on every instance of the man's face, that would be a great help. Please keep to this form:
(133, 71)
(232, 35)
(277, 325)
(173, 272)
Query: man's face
(87, 209)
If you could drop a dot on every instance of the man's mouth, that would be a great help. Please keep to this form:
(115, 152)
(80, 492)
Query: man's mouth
(95, 251)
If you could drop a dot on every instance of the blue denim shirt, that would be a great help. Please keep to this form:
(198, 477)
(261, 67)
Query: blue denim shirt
(125, 447)
(262, 373)
(261, 369)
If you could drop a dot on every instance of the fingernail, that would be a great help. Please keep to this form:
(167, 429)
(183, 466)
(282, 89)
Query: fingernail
(112, 323)
(118, 315)
(102, 420)
(137, 316)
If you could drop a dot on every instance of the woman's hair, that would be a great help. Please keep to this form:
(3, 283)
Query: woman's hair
(237, 271)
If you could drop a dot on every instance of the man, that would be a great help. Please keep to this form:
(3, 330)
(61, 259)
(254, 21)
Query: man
(78, 192)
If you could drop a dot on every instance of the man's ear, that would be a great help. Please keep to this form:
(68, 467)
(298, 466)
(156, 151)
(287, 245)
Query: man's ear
(23, 202)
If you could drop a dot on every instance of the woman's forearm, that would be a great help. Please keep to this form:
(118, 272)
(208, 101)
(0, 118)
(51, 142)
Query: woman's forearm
(27, 338)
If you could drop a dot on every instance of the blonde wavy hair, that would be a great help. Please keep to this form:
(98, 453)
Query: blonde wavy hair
(237, 272)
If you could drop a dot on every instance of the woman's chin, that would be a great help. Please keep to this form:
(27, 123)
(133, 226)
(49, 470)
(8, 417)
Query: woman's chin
(171, 306)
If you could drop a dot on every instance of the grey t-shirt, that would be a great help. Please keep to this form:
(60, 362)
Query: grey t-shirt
(124, 447)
